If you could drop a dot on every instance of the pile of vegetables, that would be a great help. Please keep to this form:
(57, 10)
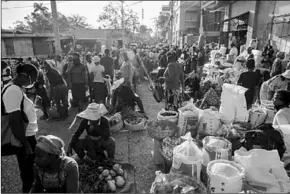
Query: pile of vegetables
(168, 114)
(168, 145)
(132, 117)
(103, 177)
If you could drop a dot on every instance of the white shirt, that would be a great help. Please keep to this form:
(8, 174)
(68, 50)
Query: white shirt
(90, 65)
(97, 70)
(12, 99)
(282, 117)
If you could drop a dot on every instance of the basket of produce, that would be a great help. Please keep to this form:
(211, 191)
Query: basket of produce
(161, 129)
(106, 177)
(116, 123)
(167, 115)
(134, 124)
(177, 183)
(168, 145)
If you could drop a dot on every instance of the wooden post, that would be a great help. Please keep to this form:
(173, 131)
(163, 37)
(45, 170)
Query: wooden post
(55, 27)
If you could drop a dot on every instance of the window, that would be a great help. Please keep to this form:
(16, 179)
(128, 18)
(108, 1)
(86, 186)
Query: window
(9, 46)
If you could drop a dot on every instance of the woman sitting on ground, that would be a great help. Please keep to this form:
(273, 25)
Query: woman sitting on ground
(54, 172)
(98, 138)
(281, 104)
(124, 97)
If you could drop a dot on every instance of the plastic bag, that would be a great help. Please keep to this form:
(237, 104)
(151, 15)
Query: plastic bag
(264, 170)
(188, 120)
(257, 116)
(187, 158)
(215, 148)
(225, 176)
(209, 122)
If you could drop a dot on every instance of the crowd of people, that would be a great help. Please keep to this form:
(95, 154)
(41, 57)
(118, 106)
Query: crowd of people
(105, 84)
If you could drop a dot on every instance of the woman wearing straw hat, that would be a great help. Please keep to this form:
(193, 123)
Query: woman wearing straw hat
(98, 137)
(54, 172)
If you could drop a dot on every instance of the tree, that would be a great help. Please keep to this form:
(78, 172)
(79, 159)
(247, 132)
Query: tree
(40, 20)
(111, 17)
(77, 21)
(162, 22)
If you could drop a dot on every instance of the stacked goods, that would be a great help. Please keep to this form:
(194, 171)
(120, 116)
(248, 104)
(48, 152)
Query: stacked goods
(168, 144)
(161, 129)
(171, 116)
(176, 183)
(105, 177)
(116, 122)
(187, 158)
(215, 148)
(188, 120)
(225, 176)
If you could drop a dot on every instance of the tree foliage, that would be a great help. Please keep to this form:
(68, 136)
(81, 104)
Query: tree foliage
(111, 17)
(40, 20)
(162, 22)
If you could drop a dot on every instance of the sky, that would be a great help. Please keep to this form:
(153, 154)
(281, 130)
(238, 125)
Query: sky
(89, 9)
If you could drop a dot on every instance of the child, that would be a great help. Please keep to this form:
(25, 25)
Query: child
(192, 83)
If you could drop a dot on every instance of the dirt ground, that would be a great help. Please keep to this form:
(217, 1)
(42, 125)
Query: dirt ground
(135, 147)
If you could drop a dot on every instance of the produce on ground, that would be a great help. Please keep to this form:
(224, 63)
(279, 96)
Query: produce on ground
(103, 177)
(168, 114)
(134, 121)
(168, 145)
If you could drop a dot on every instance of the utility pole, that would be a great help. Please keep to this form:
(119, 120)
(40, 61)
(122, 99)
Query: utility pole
(171, 22)
(55, 28)
(122, 12)
(201, 19)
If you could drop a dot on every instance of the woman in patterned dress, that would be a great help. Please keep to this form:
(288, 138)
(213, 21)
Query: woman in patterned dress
(54, 172)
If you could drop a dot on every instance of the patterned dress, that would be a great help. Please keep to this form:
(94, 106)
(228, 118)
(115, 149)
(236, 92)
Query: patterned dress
(173, 100)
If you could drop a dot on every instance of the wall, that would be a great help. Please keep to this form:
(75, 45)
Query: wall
(3, 50)
(40, 46)
(23, 47)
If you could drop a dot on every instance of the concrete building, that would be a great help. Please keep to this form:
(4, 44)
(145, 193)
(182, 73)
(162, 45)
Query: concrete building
(247, 20)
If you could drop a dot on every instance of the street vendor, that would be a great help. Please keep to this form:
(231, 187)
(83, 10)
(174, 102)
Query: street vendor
(98, 139)
(54, 172)
(281, 104)
(123, 96)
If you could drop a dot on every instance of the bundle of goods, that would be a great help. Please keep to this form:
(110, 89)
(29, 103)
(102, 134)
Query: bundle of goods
(265, 172)
(231, 75)
(215, 148)
(211, 98)
(269, 106)
(257, 116)
(105, 177)
(116, 122)
(264, 137)
(209, 122)
(285, 130)
(176, 183)
(161, 129)
(188, 119)
(225, 176)
(233, 103)
(168, 144)
(134, 121)
(166, 115)
(187, 158)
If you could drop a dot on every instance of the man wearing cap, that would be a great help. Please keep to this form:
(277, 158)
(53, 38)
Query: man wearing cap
(14, 119)
(100, 91)
(98, 139)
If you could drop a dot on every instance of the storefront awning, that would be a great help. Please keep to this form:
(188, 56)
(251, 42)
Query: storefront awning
(244, 17)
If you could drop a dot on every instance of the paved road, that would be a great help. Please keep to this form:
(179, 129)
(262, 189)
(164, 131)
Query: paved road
(134, 147)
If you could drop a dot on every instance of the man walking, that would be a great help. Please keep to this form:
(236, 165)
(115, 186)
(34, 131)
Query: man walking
(108, 63)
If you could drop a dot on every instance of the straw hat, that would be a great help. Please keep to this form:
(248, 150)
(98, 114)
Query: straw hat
(117, 83)
(286, 74)
(93, 112)
(96, 59)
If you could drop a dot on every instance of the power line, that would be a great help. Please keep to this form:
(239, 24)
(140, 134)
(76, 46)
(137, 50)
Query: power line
(6, 8)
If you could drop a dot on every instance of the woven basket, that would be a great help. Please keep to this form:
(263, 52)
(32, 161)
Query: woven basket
(138, 127)
(117, 127)
(157, 132)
